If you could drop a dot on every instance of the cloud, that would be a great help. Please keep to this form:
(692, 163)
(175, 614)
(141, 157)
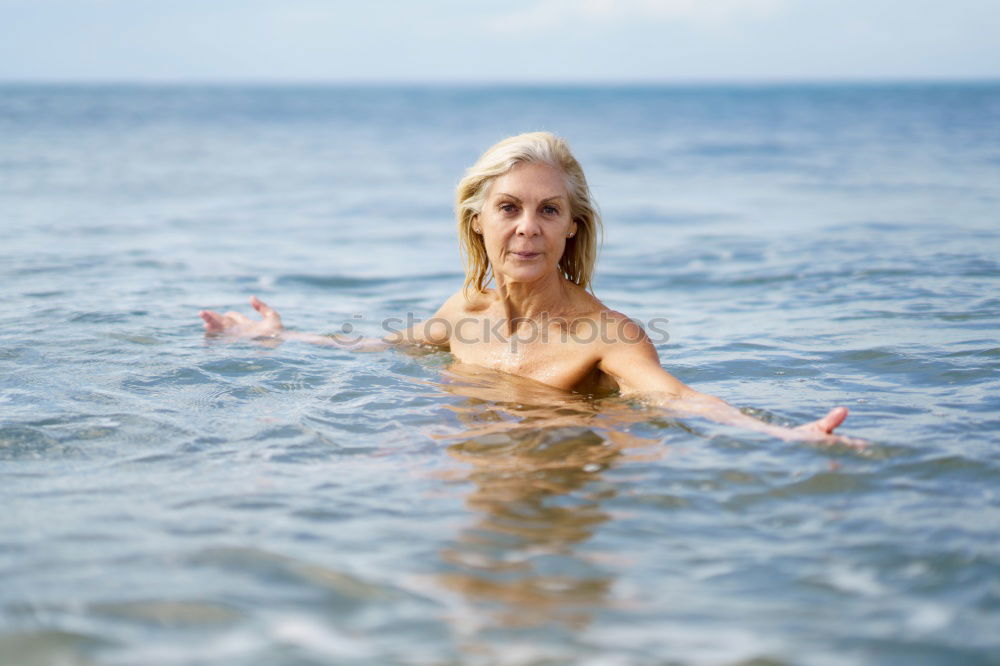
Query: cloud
(549, 13)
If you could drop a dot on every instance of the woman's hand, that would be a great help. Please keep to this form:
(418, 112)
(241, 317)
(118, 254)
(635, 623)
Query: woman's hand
(239, 325)
(822, 429)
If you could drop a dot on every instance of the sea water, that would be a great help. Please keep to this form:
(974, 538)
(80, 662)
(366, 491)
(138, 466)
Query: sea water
(171, 499)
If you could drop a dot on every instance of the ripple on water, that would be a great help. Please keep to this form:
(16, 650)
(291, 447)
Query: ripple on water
(340, 590)
(23, 442)
(170, 613)
(234, 367)
(103, 317)
(114, 428)
(166, 381)
(819, 485)
(294, 443)
(920, 369)
(50, 647)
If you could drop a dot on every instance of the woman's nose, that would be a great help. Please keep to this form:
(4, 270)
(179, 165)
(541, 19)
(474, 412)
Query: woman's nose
(528, 225)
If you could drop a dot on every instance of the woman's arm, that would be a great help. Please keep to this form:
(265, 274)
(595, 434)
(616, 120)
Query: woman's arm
(633, 362)
(435, 331)
(269, 327)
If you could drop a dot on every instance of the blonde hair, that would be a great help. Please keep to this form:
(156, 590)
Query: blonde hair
(580, 255)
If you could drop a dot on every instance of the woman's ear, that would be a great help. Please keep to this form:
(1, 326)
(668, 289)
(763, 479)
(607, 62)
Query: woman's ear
(473, 221)
(572, 229)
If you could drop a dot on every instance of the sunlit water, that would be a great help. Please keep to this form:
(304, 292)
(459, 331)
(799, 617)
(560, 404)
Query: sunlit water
(168, 499)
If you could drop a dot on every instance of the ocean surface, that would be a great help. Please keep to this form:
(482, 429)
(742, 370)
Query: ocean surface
(168, 499)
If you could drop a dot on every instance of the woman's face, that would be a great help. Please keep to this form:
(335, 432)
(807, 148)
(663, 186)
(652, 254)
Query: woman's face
(525, 222)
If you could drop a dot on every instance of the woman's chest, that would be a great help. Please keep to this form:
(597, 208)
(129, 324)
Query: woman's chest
(545, 357)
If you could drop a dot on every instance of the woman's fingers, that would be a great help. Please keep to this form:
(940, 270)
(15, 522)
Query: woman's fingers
(828, 423)
(265, 310)
(822, 429)
(238, 324)
(832, 420)
(236, 318)
(214, 322)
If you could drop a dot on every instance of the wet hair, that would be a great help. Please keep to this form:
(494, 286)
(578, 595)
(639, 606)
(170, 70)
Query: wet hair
(580, 254)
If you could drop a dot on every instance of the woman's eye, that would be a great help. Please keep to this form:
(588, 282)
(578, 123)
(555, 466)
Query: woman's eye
(508, 207)
(550, 210)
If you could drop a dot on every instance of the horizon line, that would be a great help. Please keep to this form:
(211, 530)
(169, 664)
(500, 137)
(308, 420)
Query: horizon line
(506, 83)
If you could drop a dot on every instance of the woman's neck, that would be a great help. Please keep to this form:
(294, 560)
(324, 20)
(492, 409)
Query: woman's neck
(529, 300)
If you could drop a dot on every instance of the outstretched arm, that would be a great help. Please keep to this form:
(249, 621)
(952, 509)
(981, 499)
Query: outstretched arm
(269, 326)
(433, 332)
(635, 365)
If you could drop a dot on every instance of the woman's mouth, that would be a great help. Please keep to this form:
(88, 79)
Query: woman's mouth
(526, 255)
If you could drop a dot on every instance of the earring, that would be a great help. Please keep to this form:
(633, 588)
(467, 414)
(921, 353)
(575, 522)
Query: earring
(571, 235)
(478, 231)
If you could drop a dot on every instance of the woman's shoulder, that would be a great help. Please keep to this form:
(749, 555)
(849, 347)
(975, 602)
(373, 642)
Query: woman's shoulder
(589, 306)
(614, 326)
(465, 303)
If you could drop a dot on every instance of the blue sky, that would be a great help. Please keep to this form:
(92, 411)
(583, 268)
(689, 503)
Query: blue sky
(518, 40)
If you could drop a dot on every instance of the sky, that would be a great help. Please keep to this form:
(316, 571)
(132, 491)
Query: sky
(531, 41)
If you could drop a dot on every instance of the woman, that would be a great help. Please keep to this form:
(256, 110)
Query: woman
(526, 222)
